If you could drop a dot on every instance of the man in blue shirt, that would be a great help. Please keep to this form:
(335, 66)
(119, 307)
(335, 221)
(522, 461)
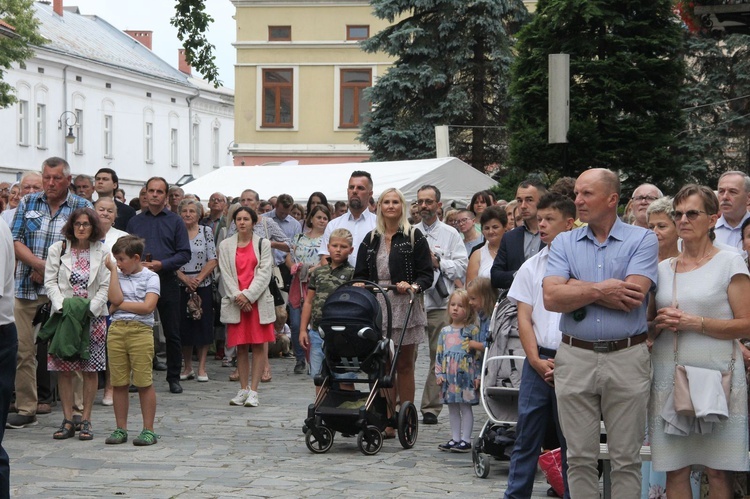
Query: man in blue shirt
(598, 277)
(167, 249)
(36, 225)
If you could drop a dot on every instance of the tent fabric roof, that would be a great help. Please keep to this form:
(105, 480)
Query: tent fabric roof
(456, 180)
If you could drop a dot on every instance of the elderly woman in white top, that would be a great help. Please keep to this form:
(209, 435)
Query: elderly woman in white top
(76, 267)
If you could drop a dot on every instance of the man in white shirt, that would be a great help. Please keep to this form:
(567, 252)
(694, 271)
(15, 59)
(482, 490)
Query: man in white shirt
(540, 336)
(449, 256)
(8, 346)
(733, 188)
(358, 220)
(643, 196)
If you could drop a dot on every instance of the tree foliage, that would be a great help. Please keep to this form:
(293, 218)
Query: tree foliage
(626, 70)
(452, 68)
(192, 22)
(17, 47)
(716, 99)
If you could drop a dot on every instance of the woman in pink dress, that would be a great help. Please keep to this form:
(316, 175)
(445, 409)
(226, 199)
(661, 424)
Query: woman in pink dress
(247, 308)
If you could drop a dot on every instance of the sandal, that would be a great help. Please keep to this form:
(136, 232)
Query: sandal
(389, 433)
(85, 433)
(266, 375)
(65, 431)
(235, 376)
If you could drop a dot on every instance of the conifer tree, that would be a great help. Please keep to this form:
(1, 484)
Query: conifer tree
(452, 68)
(626, 72)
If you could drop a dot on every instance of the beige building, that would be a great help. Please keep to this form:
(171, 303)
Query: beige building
(299, 79)
(300, 74)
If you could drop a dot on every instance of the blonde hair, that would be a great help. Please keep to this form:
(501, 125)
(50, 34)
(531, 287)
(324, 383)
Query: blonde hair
(482, 287)
(403, 223)
(342, 234)
(463, 295)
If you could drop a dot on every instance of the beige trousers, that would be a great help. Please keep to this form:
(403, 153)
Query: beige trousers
(431, 402)
(26, 396)
(612, 385)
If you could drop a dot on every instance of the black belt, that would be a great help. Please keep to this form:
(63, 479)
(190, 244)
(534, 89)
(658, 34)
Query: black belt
(547, 352)
(605, 346)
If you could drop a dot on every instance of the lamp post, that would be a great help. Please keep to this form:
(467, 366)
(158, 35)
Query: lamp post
(69, 119)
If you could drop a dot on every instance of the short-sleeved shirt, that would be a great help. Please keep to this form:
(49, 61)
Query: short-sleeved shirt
(37, 228)
(359, 227)
(134, 289)
(527, 288)
(202, 249)
(731, 236)
(628, 250)
(324, 281)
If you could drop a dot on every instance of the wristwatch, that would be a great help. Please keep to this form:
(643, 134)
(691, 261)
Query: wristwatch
(416, 287)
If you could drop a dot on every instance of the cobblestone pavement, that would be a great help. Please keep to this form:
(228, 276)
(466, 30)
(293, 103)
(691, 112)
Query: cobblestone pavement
(210, 449)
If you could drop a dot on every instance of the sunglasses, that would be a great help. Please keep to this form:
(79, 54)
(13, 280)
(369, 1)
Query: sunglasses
(690, 214)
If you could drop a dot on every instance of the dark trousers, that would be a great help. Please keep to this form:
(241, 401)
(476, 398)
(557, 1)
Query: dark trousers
(295, 317)
(169, 312)
(44, 385)
(8, 353)
(537, 409)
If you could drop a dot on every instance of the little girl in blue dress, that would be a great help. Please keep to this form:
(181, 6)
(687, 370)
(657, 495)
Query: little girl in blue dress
(457, 370)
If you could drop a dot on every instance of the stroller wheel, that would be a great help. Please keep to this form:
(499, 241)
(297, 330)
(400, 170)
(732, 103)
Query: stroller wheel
(408, 425)
(319, 446)
(370, 440)
(481, 463)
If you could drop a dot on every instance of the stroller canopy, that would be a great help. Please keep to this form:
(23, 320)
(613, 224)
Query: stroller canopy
(353, 305)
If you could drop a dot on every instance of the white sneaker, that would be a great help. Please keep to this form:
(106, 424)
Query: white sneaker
(252, 399)
(241, 397)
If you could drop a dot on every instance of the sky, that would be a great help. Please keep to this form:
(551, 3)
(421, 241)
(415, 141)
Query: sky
(154, 15)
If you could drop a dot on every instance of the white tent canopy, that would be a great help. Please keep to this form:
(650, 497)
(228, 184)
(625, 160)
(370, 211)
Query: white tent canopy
(456, 180)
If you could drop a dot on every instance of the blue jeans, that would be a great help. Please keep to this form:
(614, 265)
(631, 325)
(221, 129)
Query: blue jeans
(295, 315)
(8, 353)
(537, 408)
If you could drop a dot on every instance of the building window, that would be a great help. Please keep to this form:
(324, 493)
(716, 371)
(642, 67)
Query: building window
(41, 126)
(353, 104)
(149, 142)
(277, 98)
(23, 122)
(108, 122)
(215, 140)
(357, 32)
(173, 145)
(196, 143)
(79, 131)
(279, 33)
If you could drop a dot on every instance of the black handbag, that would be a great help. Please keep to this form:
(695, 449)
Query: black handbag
(273, 285)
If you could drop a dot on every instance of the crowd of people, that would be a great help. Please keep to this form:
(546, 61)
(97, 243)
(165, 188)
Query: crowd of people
(609, 308)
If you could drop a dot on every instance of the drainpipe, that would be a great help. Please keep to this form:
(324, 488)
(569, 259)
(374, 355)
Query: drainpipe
(190, 130)
(65, 108)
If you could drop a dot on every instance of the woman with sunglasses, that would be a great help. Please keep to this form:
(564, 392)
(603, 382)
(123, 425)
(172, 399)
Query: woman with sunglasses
(76, 267)
(701, 307)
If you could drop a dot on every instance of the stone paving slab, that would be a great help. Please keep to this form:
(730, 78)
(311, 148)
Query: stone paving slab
(211, 449)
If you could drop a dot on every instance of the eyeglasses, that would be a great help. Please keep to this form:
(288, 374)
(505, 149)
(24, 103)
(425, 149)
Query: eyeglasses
(215, 200)
(81, 225)
(645, 198)
(463, 221)
(690, 214)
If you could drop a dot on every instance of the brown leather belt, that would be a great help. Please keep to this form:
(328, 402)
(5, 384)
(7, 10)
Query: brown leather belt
(605, 346)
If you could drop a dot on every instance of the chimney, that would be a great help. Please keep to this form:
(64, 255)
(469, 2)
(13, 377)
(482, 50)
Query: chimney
(182, 64)
(142, 36)
(57, 6)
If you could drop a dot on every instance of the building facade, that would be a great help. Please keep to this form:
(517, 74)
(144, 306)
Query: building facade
(120, 105)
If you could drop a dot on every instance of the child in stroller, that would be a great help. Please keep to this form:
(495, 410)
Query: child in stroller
(354, 344)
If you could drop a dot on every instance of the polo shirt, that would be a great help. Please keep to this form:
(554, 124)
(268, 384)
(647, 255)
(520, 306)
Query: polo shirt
(627, 250)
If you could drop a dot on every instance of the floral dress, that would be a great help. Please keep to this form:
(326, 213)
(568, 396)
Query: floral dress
(456, 367)
(79, 280)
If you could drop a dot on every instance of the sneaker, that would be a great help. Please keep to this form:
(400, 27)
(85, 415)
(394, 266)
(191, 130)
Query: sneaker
(449, 445)
(119, 436)
(147, 437)
(252, 399)
(17, 421)
(241, 397)
(227, 363)
(300, 367)
(462, 446)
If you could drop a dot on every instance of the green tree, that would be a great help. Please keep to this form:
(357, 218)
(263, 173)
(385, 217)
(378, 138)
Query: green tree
(626, 70)
(452, 68)
(192, 23)
(16, 47)
(716, 100)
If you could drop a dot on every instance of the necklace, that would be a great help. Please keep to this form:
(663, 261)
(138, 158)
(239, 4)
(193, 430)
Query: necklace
(697, 264)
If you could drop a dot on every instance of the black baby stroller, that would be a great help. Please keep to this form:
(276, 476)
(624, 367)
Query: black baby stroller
(501, 379)
(356, 352)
